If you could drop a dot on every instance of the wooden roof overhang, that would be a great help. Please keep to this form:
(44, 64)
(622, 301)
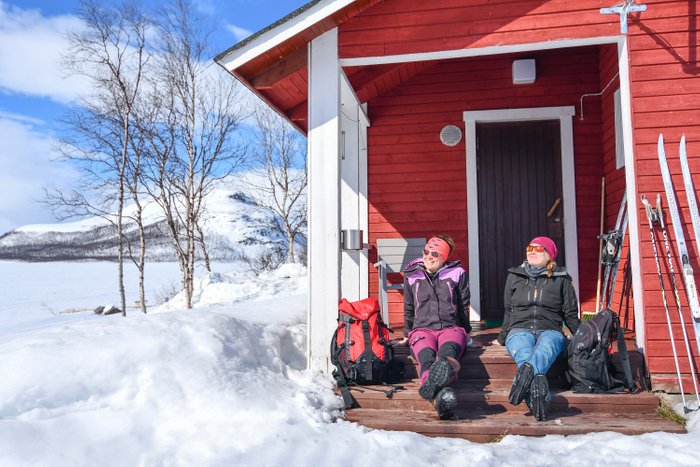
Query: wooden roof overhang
(272, 63)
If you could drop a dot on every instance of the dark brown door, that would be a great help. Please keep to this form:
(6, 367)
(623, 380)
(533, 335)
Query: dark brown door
(519, 183)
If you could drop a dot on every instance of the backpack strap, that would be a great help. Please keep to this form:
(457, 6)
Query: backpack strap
(342, 381)
(344, 388)
(366, 369)
(624, 355)
(339, 372)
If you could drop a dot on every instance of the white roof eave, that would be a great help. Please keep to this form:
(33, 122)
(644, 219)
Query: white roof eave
(281, 33)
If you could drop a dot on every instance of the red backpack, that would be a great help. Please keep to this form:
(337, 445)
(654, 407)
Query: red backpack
(360, 348)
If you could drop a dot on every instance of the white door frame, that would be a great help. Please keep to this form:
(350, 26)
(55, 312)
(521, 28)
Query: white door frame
(564, 115)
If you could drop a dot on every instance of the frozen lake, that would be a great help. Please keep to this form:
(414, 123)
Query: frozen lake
(38, 294)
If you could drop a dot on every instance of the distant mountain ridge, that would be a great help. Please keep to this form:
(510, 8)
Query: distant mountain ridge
(234, 225)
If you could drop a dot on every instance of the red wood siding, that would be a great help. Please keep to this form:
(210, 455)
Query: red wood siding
(417, 186)
(411, 26)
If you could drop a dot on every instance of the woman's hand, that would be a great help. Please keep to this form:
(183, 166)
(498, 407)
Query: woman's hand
(400, 342)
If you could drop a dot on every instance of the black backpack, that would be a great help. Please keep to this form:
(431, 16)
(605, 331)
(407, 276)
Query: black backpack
(590, 368)
(360, 348)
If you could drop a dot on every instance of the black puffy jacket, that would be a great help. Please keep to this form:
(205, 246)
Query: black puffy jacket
(539, 303)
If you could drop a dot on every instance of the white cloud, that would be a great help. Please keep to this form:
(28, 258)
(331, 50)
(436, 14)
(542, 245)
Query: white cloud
(238, 32)
(26, 158)
(30, 51)
(20, 118)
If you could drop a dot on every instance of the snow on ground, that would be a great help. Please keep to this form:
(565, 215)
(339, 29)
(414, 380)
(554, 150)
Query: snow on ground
(222, 384)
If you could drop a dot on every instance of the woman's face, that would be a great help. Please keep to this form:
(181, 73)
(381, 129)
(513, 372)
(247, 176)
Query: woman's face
(432, 260)
(537, 256)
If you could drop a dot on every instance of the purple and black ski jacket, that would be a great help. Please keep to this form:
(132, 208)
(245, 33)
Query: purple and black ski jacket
(435, 303)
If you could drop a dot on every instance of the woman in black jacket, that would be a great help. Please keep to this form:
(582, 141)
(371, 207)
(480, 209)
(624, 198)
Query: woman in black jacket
(538, 298)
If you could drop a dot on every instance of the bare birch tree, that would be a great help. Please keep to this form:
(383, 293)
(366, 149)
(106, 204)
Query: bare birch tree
(110, 51)
(280, 154)
(193, 139)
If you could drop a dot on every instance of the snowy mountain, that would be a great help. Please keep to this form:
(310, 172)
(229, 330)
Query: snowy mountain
(234, 224)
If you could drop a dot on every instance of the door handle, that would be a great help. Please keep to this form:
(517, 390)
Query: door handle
(554, 207)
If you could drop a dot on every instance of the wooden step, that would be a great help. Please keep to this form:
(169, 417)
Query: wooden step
(484, 413)
(486, 427)
(492, 397)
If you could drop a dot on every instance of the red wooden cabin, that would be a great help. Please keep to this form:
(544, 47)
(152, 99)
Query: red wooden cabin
(372, 83)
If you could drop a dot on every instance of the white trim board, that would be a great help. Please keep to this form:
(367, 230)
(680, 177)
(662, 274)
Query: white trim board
(564, 115)
(282, 32)
(477, 52)
(632, 194)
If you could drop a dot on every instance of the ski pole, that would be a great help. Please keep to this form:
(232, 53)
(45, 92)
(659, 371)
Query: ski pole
(651, 218)
(616, 258)
(672, 273)
(610, 249)
(600, 265)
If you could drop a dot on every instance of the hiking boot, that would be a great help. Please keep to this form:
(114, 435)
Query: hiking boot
(456, 366)
(539, 391)
(521, 383)
(439, 376)
(445, 403)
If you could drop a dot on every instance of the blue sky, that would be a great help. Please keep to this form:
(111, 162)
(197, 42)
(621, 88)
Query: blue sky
(34, 91)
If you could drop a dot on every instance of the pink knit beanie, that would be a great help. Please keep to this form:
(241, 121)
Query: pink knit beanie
(548, 245)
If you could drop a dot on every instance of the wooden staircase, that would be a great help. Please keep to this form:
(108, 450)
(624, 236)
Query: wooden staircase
(484, 414)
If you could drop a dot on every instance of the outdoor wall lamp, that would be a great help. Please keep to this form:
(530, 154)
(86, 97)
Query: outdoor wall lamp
(524, 71)
(351, 239)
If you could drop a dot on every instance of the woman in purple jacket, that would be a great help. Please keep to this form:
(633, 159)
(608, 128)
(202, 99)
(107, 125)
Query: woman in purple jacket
(436, 320)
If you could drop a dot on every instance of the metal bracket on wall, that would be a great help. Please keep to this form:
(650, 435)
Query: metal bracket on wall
(623, 9)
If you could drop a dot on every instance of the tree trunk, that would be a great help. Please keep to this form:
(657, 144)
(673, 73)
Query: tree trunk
(205, 252)
(142, 259)
(290, 239)
(120, 218)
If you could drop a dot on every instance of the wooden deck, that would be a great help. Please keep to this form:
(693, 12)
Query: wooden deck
(484, 414)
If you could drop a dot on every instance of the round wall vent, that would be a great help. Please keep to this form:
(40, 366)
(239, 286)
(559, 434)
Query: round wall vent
(450, 135)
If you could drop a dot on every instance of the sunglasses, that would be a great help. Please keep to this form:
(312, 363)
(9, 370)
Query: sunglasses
(434, 254)
(535, 248)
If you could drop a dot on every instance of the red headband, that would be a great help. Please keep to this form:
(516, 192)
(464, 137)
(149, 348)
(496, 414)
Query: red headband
(439, 245)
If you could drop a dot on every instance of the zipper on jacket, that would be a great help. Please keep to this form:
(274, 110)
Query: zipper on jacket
(437, 298)
(534, 307)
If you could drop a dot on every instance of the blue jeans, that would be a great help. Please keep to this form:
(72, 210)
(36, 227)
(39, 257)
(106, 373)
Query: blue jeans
(539, 348)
